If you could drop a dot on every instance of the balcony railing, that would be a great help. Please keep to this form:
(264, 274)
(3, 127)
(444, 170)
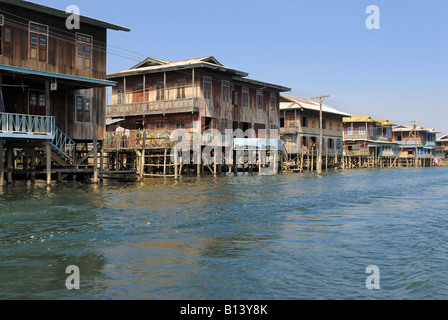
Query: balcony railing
(153, 107)
(356, 136)
(357, 153)
(410, 142)
(13, 124)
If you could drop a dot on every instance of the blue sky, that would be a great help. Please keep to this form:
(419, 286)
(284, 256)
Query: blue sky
(399, 72)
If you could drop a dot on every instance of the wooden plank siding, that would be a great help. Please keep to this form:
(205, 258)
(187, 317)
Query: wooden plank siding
(223, 110)
(61, 58)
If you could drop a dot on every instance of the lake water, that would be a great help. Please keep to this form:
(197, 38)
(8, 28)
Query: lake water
(285, 237)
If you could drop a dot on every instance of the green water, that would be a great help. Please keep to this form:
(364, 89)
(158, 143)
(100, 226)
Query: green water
(247, 237)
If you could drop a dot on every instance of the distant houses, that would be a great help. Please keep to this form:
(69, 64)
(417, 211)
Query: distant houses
(416, 143)
(55, 120)
(299, 129)
(369, 142)
(442, 146)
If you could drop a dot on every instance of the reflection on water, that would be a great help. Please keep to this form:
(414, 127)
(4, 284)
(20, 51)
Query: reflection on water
(245, 237)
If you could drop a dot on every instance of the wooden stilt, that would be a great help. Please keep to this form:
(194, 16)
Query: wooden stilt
(2, 163)
(101, 161)
(10, 166)
(48, 164)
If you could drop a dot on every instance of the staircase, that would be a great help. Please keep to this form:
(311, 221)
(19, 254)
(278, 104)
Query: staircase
(63, 148)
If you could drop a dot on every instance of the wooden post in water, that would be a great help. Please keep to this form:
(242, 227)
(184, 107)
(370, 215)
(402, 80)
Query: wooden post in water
(164, 162)
(33, 166)
(175, 164)
(48, 164)
(101, 161)
(2, 163)
(143, 157)
(9, 156)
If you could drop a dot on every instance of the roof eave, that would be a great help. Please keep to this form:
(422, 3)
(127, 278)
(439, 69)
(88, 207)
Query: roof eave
(59, 13)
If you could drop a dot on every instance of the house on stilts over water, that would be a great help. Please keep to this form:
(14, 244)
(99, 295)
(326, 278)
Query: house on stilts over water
(300, 126)
(225, 119)
(53, 93)
(369, 143)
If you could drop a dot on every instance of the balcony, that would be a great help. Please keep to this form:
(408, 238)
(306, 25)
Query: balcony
(357, 153)
(153, 107)
(410, 142)
(22, 126)
(356, 136)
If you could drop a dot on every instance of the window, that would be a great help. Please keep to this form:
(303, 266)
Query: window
(83, 51)
(121, 95)
(225, 91)
(304, 122)
(259, 99)
(83, 108)
(37, 102)
(273, 102)
(160, 85)
(38, 45)
(235, 97)
(245, 101)
(362, 130)
(2, 18)
(181, 88)
(350, 131)
(207, 88)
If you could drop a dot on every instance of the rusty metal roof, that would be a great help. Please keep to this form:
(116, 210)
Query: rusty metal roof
(410, 128)
(203, 62)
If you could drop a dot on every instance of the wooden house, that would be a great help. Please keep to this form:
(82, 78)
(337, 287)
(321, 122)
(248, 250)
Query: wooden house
(300, 129)
(196, 94)
(442, 144)
(416, 143)
(201, 96)
(52, 88)
(369, 142)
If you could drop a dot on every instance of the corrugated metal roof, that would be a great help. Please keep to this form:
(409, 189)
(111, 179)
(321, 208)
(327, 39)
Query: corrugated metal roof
(182, 64)
(365, 119)
(23, 71)
(201, 62)
(409, 128)
(386, 123)
(299, 103)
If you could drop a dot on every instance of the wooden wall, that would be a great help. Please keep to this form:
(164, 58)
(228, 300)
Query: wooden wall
(62, 49)
(62, 52)
(224, 114)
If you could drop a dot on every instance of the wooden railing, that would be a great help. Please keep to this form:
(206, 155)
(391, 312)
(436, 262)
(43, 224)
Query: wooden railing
(32, 125)
(152, 107)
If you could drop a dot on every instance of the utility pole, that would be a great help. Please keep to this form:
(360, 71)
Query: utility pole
(319, 156)
(416, 144)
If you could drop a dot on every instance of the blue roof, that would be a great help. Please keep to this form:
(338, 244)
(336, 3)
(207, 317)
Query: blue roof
(97, 82)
